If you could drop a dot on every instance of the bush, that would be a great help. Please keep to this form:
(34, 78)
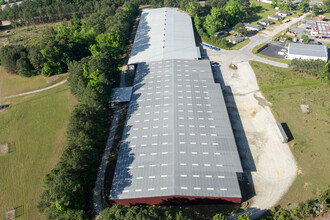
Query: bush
(318, 68)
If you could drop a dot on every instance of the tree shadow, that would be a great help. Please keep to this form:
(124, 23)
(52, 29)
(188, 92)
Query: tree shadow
(142, 39)
(121, 178)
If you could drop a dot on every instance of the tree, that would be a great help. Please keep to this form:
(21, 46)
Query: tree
(36, 58)
(315, 10)
(198, 22)
(76, 21)
(303, 5)
(327, 5)
(305, 38)
(240, 29)
(214, 21)
(289, 5)
(219, 217)
(234, 12)
(191, 9)
(24, 67)
(243, 217)
(274, 3)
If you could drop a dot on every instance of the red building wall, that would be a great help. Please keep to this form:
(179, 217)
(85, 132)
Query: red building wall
(177, 200)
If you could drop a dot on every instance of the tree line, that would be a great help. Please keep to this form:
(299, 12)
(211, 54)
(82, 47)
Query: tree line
(67, 188)
(318, 68)
(120, 212)
(41, 11)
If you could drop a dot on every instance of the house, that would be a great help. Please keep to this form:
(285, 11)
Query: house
(236, 39)
(265, 22)
(283, 13)
(221, 34)
(307, 51)
(274, 17)
(253, 27)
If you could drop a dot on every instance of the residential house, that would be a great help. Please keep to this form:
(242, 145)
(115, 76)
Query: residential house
(236, 39)
(265, 22)
(274, 17)
(283, 13)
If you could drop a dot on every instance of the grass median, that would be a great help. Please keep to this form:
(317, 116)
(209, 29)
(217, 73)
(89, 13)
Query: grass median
(35, 128)
(287, 90)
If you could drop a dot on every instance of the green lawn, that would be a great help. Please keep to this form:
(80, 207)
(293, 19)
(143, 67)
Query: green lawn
(286, 90)
(263, 10)
(35, 128)
(11, 84)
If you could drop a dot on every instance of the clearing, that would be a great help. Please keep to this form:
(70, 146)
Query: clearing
(11, 84)
(287, 90)
(23, 35)
(35, 128)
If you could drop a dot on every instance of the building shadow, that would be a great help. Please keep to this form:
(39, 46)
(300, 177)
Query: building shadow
(121, 154)
(19, 211)
(247, 161)
(287, 131)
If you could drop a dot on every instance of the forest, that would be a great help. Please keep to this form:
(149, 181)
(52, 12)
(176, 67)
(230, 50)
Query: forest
(92, 56)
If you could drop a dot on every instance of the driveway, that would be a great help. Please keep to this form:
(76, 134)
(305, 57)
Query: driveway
(273, 167)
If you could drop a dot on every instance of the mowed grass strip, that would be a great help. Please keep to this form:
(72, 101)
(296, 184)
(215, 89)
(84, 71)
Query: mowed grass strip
(35, 128)
(287, 90)
(11, 84)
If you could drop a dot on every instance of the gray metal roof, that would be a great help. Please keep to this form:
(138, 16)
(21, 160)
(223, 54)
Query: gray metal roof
(308, 50)
(121, 94)
(177, 139)
(164, 33)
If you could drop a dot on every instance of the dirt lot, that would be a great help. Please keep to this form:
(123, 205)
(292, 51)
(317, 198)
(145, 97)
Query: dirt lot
(271, 163)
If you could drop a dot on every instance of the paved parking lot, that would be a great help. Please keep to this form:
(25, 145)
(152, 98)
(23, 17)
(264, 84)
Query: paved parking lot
(273, 49)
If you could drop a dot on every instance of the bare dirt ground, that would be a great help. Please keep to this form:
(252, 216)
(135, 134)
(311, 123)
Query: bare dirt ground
(271, 168)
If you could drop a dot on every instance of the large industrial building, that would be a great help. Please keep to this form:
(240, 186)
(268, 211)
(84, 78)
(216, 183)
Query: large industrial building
(178, 145)
(321, 29)
(307, 51)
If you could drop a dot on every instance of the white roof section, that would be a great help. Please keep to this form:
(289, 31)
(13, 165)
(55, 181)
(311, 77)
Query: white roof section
(164, 33)
(308, 50)
(121, 94)
(178, 139)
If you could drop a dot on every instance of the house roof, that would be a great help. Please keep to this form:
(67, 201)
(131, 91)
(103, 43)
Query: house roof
(178, 138)
(284, 12)
(236, 38)
(163, 33)
(254, 26)
(275, 16)
(308, 50)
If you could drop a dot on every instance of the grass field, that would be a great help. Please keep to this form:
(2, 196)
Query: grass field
(11, 84)
(263, 10)
(35, 128)
(23, 35)
(286, 90)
